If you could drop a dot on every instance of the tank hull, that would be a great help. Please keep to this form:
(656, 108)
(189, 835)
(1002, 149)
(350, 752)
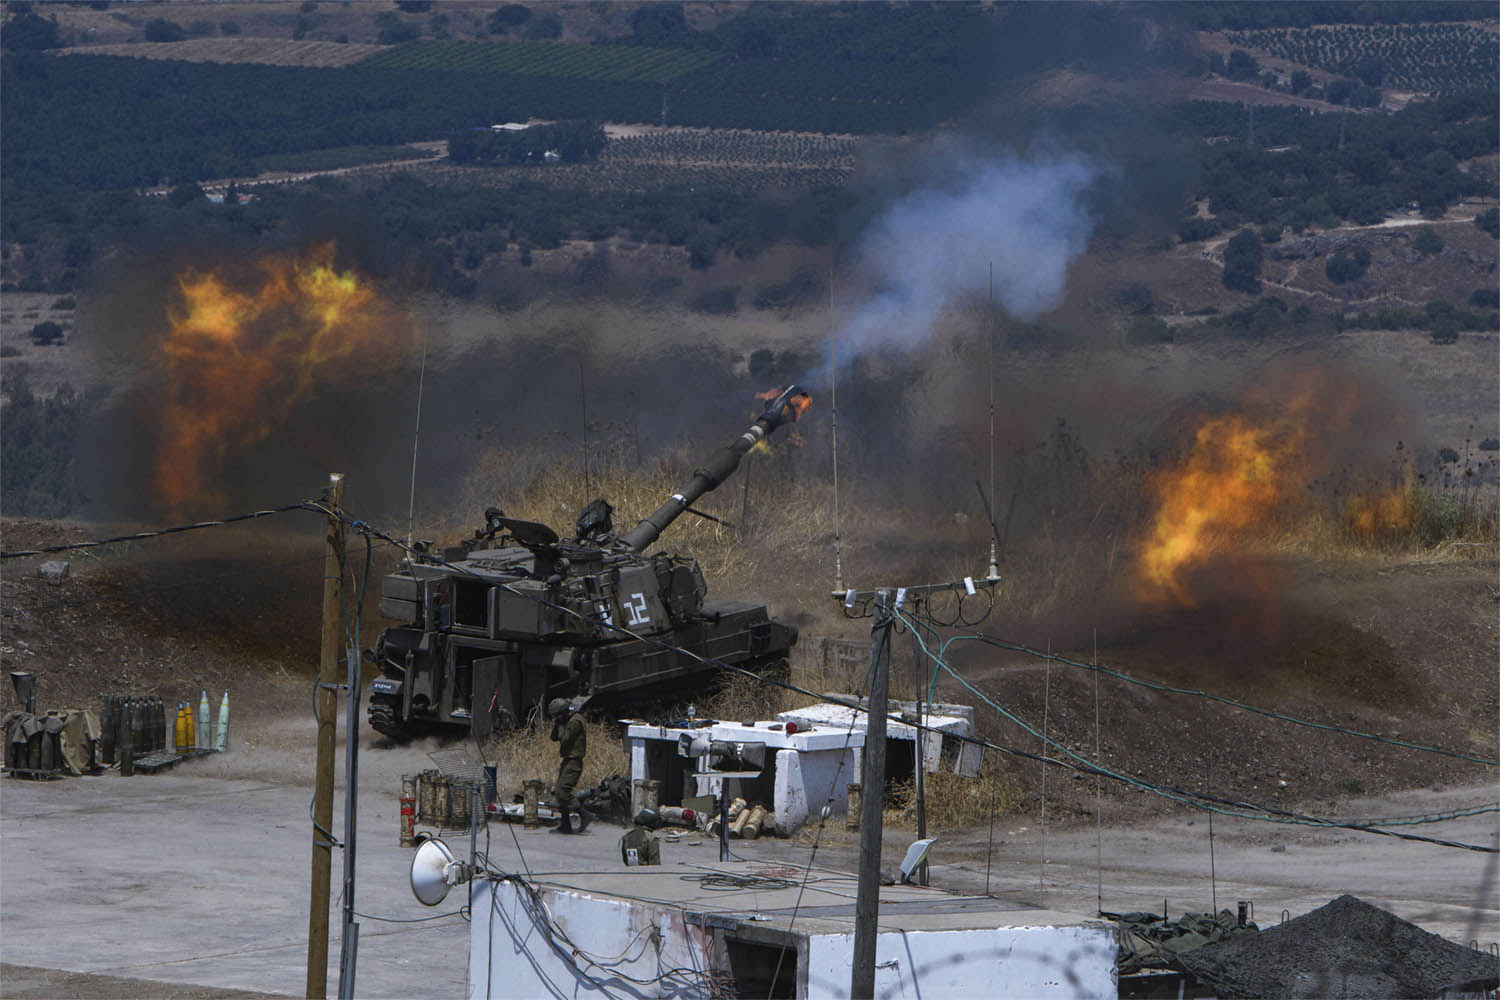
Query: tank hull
(436, 683)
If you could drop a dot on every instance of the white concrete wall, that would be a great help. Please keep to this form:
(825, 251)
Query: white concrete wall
(807, 767)
(620, 940)
(952, 720)
(1010, 962)
(805, 782)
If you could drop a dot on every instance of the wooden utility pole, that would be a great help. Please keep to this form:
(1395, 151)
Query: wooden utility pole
(872, 802)
(327, 705)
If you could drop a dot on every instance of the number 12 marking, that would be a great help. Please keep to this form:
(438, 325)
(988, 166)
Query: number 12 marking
(635, 610)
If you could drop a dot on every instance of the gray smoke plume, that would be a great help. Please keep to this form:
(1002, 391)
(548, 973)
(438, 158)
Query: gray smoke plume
(1026, 215)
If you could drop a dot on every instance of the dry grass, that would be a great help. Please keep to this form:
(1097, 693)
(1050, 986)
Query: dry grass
(955, 802)
(525, 753)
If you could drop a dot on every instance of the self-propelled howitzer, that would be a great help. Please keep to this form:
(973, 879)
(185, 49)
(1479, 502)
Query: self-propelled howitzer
(515, 616)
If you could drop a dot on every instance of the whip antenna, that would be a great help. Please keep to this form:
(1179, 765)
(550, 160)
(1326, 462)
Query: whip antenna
(994, 572)
(416, 437)
(833, 350)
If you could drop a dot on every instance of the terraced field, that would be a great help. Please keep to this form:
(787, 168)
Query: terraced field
(266, 51)
(643, 157)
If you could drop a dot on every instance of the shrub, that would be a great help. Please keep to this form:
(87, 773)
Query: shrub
(1490, 444)
(1427, 242)
(392, 30)
(1241, 66)
(1489, 221)
(721, 301)
(1440, 515)
(762, 362)
(1242, 257)
(1444, 330)
(37, 441)
(184, 194)
(1196, 228)
(702, 249)
(1341, 268)
(507, 17)
(66, 302)
(229, 27)
(1485, 298)
(47, 332)
(26, 31)
(162, 30)
(1148, 330)
(542, 28)
(1135, 298)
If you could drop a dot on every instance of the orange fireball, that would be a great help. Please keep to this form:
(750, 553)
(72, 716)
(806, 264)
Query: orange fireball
(241, 351)
(1235, 476)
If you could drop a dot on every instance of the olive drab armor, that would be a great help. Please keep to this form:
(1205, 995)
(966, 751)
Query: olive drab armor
(494, 628)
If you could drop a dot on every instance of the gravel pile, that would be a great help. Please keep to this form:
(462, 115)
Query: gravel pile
(1347, 948)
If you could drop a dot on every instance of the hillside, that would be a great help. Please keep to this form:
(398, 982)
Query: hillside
(1192, 317)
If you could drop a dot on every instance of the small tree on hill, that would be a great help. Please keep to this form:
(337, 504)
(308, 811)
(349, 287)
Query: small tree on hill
(1341, 268)
(1242, 257)
(1489, 221)
(162, 30)
(46, 333)
(1427, 242)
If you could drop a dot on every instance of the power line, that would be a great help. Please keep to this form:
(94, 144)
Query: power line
(1197, 800)
(1232, 703)
(141, 535)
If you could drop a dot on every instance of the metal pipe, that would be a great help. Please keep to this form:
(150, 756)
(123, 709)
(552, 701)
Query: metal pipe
(785, 408)
(351, 824)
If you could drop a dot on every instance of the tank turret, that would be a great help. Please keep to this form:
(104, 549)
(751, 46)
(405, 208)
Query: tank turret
(496, 626)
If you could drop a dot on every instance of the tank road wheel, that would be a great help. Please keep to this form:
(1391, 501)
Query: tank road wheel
(385, 718)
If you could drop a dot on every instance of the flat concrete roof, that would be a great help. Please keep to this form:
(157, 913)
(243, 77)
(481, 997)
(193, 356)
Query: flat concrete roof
(756, 732)
(818, 901)
(843, 718)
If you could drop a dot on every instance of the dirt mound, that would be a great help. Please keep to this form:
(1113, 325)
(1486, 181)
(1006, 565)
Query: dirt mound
(1403, 650)
(1345, 949)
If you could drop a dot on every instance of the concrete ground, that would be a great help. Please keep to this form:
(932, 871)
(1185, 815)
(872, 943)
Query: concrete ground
(195, 882)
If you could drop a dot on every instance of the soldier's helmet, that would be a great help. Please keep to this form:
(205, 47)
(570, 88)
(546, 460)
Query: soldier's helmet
(557, 707)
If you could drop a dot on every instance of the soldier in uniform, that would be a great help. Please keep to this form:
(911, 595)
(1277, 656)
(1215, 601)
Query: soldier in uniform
(572, 745)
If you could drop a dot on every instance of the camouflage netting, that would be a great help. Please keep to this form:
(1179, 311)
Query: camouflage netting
(1347, 948)
(1150, 941)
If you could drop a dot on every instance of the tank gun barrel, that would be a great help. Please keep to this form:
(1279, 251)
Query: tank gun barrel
(784, 409)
